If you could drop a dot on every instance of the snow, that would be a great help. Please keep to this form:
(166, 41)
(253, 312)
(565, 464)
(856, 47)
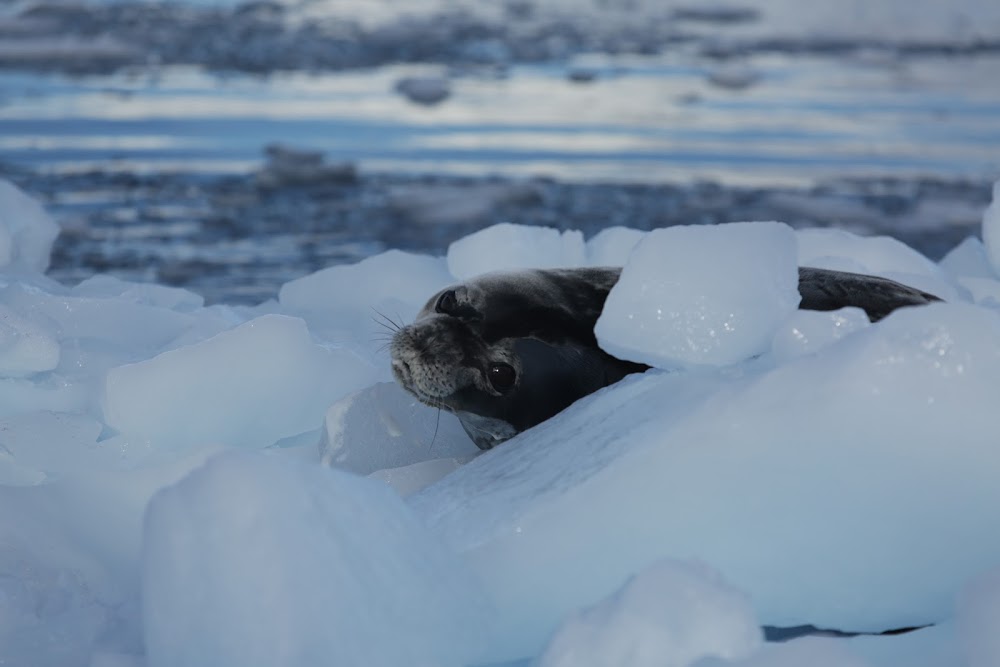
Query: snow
(702, 295)
(822, 470)
(669, 615)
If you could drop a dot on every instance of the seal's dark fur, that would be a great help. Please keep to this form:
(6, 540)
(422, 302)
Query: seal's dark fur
(540, 323)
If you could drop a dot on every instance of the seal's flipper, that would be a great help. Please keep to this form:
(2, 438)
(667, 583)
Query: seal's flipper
(823, 289)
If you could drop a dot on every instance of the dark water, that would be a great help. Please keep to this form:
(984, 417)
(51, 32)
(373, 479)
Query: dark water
(653, 119)
(158, 175)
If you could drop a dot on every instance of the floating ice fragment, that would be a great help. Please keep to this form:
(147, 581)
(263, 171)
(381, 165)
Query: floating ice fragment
(150, 294)
(991, 230)
(968, 259)
(612, 246)
(248, 387)
(383, 427)
(704, 295)
(358, 303)
(258, 560)
(26, 231)
(407, 480)
(843, 251)
(424, 90)
(508, 247)
(25, 347)
(809, 331)
(69, 563)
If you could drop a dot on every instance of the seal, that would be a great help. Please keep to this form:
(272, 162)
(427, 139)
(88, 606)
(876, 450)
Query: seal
(506, 351)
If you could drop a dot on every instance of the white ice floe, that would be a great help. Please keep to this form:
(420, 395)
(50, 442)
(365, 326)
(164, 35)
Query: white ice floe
(506, 247)
(26, 231)
(991, 230)
(613, 246)
(248, 387)
(835, 472)
(702, 296)
(425, 90)
(70, 556)
(968, 259)
(358, 304)
(25, 347)
(808, 332)
(382, 427)
(800, 483)
(256, 560)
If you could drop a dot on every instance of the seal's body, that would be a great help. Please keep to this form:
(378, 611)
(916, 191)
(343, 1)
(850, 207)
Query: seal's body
(506, 351)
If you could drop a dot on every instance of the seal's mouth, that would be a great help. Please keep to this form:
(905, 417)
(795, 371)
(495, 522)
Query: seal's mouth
(404, 376)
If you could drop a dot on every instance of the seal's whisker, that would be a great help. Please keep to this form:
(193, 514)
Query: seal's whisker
(437, 423)
(385, 326)
(386, 321)
(398, 317)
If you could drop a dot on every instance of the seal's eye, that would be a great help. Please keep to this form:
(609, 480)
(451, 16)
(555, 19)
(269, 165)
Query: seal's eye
(502, 377)
(447, 303)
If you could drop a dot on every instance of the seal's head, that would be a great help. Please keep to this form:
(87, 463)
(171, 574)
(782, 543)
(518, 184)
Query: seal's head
(506, 351)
